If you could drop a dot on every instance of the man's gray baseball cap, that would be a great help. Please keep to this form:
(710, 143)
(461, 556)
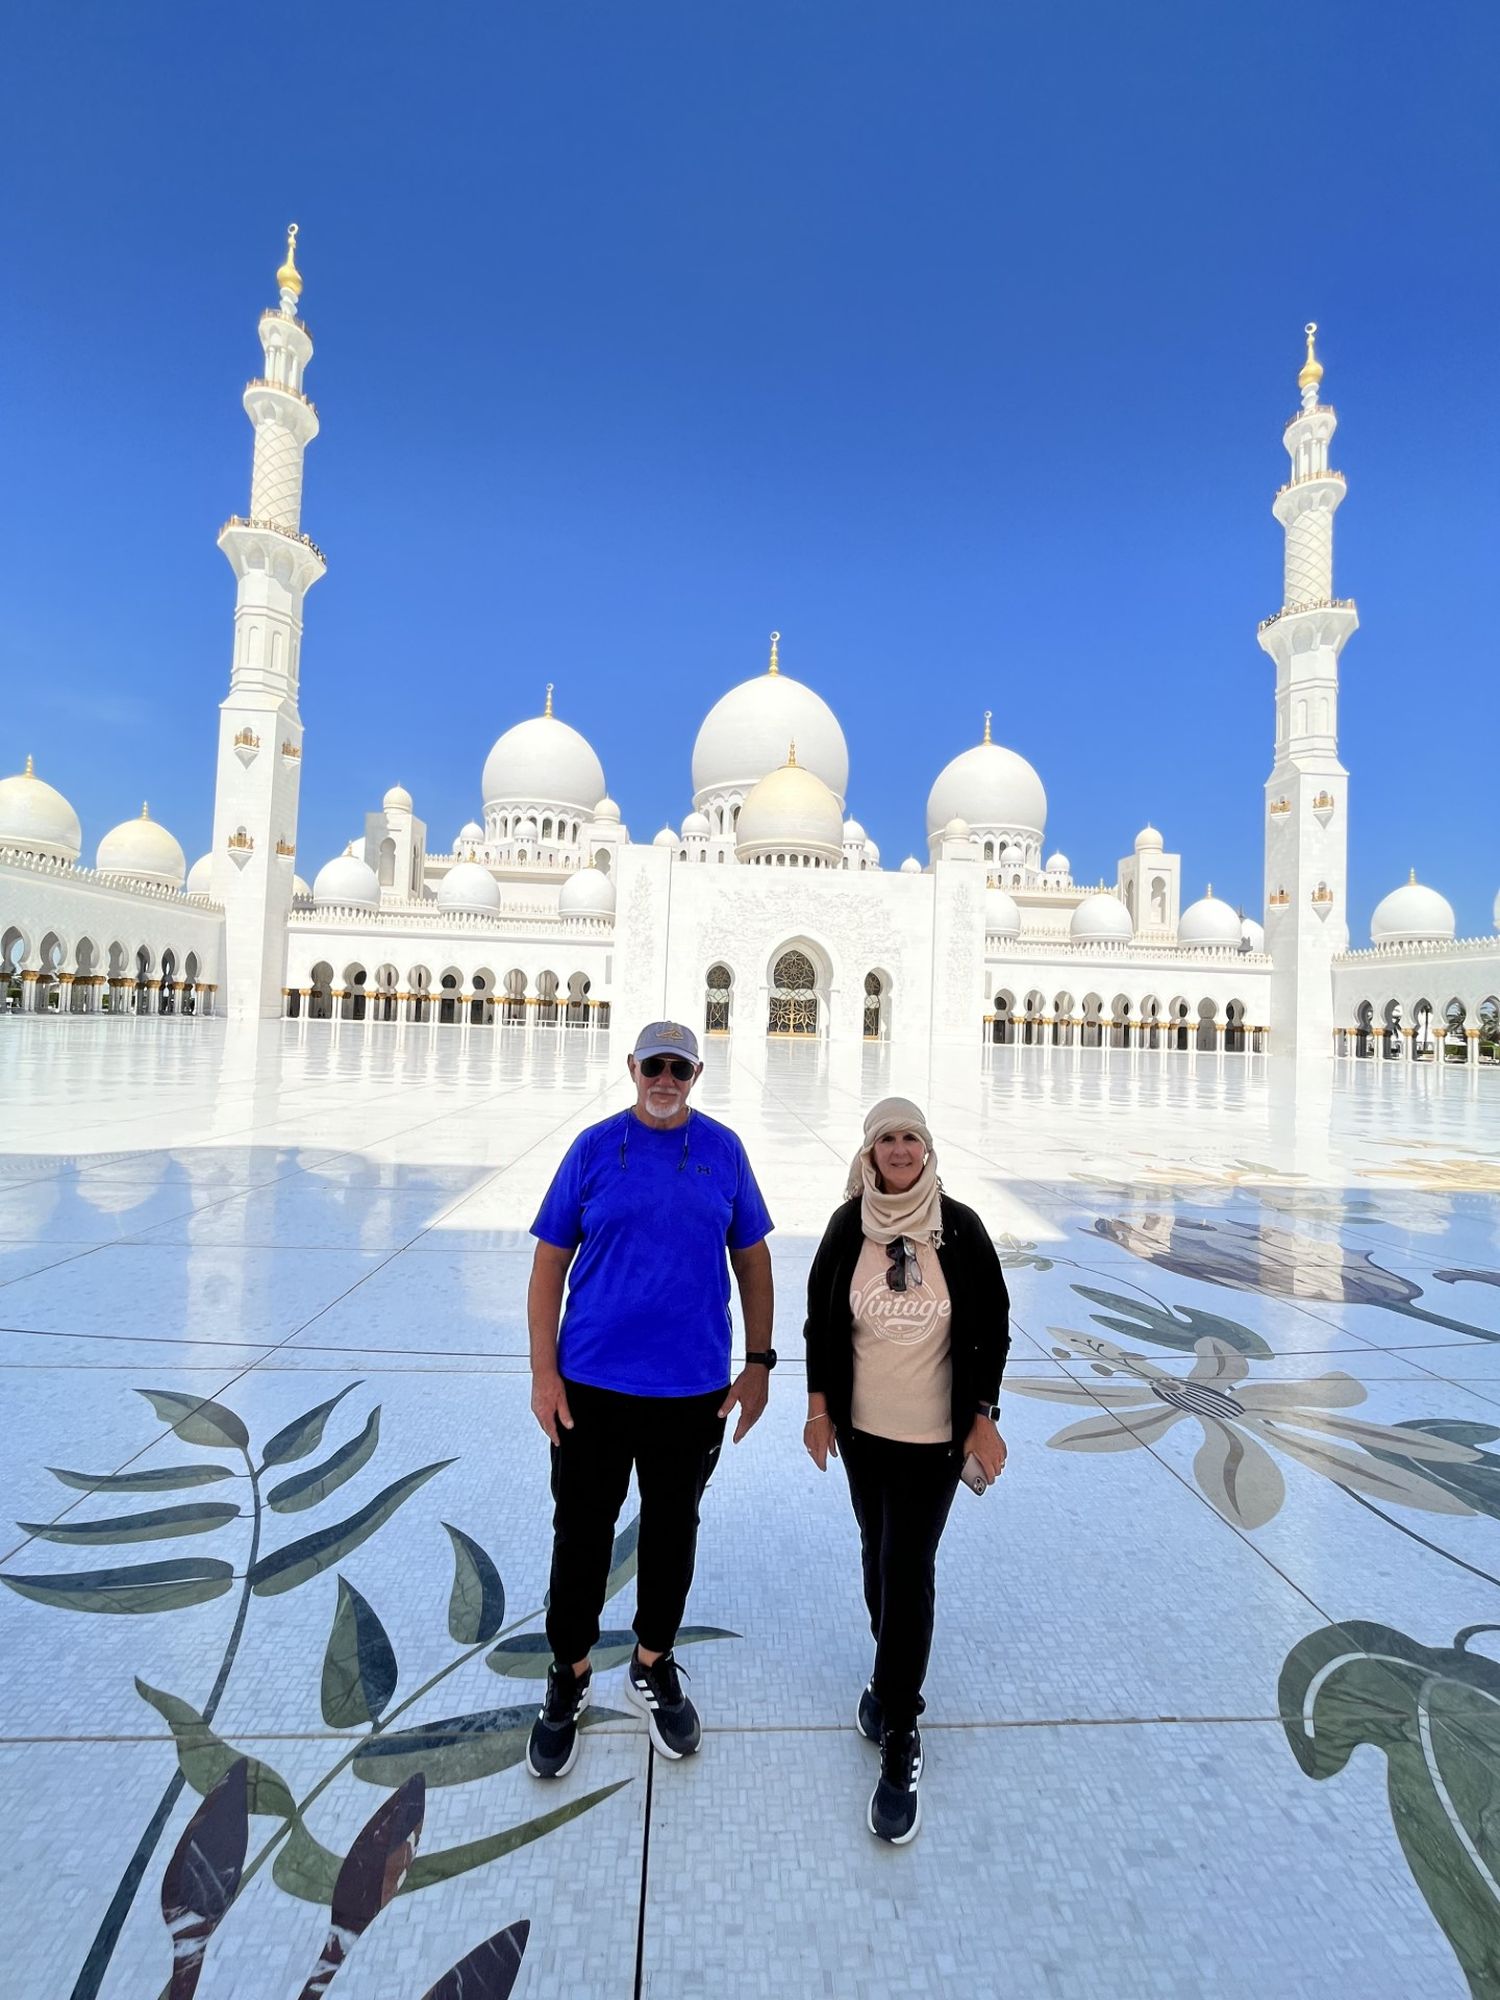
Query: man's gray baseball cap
(667, 1038)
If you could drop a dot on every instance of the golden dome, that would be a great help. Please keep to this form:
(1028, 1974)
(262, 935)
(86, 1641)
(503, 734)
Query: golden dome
(1312, 368)
(289, 277)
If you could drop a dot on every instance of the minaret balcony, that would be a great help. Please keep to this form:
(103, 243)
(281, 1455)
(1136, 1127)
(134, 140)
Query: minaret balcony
(240, 539)
(1312, 479)
(284, 389)
(1337, 604)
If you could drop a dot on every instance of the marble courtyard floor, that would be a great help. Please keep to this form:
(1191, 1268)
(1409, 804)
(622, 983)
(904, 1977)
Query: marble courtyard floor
(1213, 1703)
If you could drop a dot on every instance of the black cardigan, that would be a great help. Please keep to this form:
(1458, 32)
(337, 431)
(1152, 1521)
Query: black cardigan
(979, 1331)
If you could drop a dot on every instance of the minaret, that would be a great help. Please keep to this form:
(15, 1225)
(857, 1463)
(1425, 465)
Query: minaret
(1307, 793)
(260, 730)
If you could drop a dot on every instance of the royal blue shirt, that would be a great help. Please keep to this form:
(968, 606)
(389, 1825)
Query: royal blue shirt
(651, 1213)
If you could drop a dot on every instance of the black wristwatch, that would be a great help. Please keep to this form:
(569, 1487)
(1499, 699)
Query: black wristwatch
(763, 1357)
(990, 1410)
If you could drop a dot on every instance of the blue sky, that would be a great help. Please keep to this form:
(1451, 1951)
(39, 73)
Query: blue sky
(955, 341)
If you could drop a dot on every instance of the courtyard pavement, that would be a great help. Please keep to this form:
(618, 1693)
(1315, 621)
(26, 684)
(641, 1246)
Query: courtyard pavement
(1207, 1714)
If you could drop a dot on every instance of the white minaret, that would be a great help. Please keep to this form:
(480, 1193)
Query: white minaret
(260, 730)
(1307, 793)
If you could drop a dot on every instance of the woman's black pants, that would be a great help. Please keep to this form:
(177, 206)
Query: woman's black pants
(672, 1442)
(901, 1494)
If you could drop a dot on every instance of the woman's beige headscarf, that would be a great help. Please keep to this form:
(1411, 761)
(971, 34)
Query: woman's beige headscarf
(917, 1213)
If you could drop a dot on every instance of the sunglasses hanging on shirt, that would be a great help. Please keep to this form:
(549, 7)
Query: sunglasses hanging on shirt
(903, 1256)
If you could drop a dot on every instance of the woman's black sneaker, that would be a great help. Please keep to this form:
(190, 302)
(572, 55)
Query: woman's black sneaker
(895, 1810)
(553, 1749)
(869, 1717)
(670, 1716)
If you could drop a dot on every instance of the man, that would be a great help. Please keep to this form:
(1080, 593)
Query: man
(638, 1221)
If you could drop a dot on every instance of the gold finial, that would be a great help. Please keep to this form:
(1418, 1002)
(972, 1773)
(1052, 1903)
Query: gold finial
(791, 756)
(775, 666)
(548, 709)
(145, 810)
(30, 767)
(987, 714)
(1411, 879)
(289, 277)
(1208, 892)
(1312, 367)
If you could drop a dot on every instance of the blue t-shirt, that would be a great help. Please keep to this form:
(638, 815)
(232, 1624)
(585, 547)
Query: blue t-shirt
(652, 1213)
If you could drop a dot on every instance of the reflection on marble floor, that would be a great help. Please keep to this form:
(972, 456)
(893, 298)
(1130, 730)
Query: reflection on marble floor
(1215, 1699)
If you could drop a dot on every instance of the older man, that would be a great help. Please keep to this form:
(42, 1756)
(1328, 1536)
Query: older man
(644, 1219)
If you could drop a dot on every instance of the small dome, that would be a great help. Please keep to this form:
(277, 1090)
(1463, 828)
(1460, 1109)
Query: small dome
(470, 834)
(300, 888)
(696, 823)
(744, 736)
(543, 762)
(1013, 855)
(588, 893)
(200, 877)
(1413, 914)
(1059, 864)
(1002, 918)
(397, 799)
(989, 786)
(142, 851)
(911, 865)
(666, 838)
(853, 833)
(791, 809)
(607, 810)
(1148, 838)
(1209, 921)
(468, 886)
(1101, 919)
(956, 829)
(1252, 935)
(37, 818)
(346, 882)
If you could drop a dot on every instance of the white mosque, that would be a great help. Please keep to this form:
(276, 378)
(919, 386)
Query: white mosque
(769, 911)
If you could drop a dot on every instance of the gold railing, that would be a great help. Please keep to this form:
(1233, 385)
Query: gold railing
(282, 388)
(1308, 478)
(274, 528)
(1318, 604)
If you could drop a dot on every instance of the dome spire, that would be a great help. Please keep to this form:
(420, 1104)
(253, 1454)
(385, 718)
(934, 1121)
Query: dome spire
(775, 664)
(289, 278)
(1412, 878)
(987, 716)
(30, 767)
(791, 756)
(548, 709)
(1311, 372)
(145, 810)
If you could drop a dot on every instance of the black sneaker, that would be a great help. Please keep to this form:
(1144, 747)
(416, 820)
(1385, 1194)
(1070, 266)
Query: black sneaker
(869, 1717)
(553, 1749)
(670, 1716)
(895, 1810)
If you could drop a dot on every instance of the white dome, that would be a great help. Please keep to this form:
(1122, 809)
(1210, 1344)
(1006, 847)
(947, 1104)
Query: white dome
(791, 809)
(956, 829)
(911, 865)
(607, 810)
(1413, 914)
(144, 851)
(468, 886)
(348, 882)
(990, 787)
(200, 877)
(695, 823)
(300, 888)
(1013, 855)
(853, 833)
(666, 838)
(1148, 837)
(1209, 921)
(543, 762)
(1253, 935)
(397, 799)
(588, 893)
(36, 817)
(1101, 919)
(467, 835)
(745, 736)
(1059, 864)
(1002, 917)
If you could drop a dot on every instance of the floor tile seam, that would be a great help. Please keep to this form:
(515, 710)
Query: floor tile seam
(75, 1253)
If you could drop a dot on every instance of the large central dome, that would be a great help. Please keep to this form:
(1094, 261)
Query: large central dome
(543, 762)
(747, 733)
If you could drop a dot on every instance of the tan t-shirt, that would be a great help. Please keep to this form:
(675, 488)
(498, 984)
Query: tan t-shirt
(903, 1373)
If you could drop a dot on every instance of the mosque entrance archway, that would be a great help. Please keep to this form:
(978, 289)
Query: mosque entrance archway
(794, 995)
(718, 1000)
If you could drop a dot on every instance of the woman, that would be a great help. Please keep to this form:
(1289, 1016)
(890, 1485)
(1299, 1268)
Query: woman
(907, 1332)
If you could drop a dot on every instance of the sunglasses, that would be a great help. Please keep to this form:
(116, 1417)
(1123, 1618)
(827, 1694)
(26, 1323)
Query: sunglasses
(681, 1068)
(903, 1259)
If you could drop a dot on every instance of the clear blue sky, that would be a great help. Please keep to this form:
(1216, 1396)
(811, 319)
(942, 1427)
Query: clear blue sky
(953, 340)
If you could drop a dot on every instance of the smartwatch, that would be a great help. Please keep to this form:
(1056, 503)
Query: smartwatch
(764, 1357)
(990, 1410)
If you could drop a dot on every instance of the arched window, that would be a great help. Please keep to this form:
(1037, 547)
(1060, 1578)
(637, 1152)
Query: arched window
(718, 1000)
(874, 989)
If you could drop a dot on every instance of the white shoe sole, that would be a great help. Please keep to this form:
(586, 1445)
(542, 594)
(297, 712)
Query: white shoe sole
(563, 1769)
(897, 1840)
(638, 1700)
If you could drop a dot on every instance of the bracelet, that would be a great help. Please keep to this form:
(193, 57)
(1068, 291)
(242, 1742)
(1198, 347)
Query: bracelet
(821, 1418)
